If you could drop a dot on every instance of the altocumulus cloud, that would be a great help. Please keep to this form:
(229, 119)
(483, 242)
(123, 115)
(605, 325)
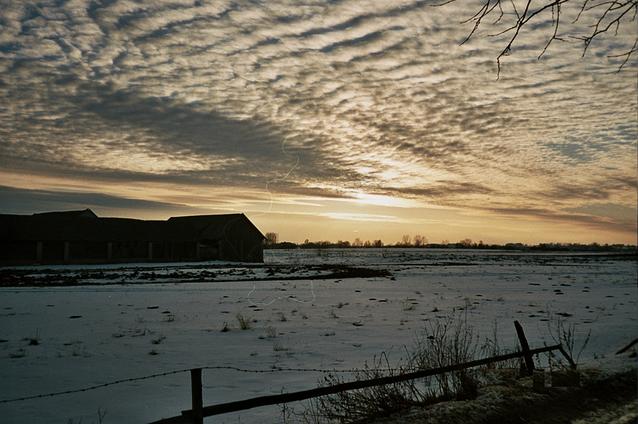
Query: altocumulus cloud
(317, 98)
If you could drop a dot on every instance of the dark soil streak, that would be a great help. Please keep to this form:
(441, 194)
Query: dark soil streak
(60, 278)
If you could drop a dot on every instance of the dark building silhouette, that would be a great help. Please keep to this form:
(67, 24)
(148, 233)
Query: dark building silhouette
(83, 237)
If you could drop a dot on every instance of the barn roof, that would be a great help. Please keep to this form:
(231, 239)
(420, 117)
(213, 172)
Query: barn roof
(85, 213)
(85, 225)
(214, 226)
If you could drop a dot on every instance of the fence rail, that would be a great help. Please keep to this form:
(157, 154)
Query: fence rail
(198, 411)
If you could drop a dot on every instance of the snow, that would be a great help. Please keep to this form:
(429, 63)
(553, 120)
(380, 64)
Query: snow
(91, 334)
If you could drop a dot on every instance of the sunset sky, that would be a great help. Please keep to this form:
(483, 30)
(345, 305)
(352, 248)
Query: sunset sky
(319, 119)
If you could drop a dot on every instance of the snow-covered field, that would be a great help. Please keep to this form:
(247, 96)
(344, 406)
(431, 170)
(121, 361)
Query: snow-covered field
(108, 327)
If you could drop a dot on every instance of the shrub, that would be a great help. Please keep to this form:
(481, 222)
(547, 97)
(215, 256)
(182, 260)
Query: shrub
(444, 342)
(364, 404)
(567, 335)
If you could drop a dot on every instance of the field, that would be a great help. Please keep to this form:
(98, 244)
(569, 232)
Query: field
(64, 328)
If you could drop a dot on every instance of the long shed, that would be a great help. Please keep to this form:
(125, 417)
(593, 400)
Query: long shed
(83, 237)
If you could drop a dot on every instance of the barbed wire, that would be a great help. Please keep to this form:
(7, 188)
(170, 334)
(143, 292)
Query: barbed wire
(320, 370)
(96, 386)
(273, 369)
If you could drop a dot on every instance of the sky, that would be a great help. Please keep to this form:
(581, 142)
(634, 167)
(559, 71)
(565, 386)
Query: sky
(320, 119)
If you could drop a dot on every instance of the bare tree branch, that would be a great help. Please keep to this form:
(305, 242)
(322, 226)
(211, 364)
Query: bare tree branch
(603, 17)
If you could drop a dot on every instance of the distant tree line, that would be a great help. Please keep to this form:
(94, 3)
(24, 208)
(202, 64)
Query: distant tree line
(419, 241)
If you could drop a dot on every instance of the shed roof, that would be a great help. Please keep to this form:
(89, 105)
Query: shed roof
(212, 226)
(85, 225)
(84, 213)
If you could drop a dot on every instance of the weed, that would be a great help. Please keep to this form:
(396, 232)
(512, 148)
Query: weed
(364, 404)
(35, 340)
(491, 347)
(271, 332)
(408, 305)
(566, 335)
(225, 327)
(80, 351)
(442, 342)
(445, 342)
(140, 332)
(158, 340)
(20, 353)
(101, 413)
(279, 347)
(244, 322)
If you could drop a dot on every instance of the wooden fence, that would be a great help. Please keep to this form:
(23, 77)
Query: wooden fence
(198, 412)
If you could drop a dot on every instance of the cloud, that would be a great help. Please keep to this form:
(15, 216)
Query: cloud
(588, 220)
(23, 201)
(443, 189)
(362, 217)
(315, 99)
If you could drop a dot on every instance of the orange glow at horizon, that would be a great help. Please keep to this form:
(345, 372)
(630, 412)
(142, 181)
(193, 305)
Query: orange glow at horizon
(362, 215)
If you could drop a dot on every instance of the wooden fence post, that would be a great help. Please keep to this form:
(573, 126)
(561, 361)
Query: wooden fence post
(529, 361)
(196, 390)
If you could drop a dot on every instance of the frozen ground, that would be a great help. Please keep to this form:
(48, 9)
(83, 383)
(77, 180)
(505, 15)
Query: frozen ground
(66, 337)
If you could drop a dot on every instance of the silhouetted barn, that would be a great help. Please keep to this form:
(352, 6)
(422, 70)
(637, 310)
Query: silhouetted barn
(83, 237)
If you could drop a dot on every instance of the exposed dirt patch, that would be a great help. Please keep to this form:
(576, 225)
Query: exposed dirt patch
(146, 275)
